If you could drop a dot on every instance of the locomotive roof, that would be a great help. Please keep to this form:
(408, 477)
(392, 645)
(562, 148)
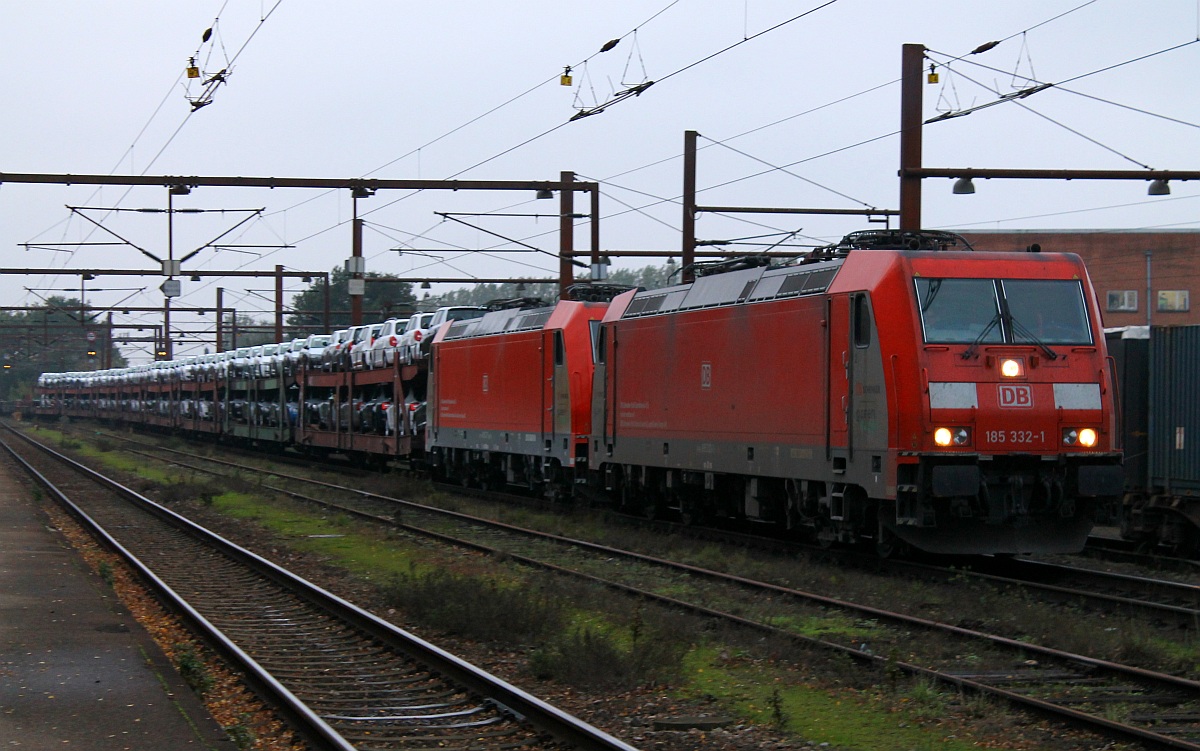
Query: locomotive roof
(500, 321)
(746, 285)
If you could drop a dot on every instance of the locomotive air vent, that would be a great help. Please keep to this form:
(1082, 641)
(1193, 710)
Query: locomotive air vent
(818, 281)
(643, 305)
(532, 321)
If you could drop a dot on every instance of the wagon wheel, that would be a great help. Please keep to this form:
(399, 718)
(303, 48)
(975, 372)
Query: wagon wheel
(888, 545)
(825, 533)
(1188, 542)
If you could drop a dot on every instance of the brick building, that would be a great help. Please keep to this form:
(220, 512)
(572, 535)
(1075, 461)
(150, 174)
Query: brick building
(1128, 268)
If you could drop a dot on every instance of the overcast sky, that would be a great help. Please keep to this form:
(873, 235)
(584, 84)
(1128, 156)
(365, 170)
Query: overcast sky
(793, 110)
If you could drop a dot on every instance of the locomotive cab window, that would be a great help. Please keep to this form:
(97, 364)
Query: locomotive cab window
(959, 311)
(862, 322)
(1009, 311)
(1046, 311)
(597, 341)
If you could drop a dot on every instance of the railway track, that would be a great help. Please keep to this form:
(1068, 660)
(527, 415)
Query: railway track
(1123, 551)
(1170, 602)
(1116, 700)
(343, 677)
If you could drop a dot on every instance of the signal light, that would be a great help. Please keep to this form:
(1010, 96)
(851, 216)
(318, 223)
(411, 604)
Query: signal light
(1012, 367)
(1085, 437)
(951, 436)
(91, 353)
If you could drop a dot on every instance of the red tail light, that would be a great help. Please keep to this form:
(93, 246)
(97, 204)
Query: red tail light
(412, 407)
(392, 341)
(417, 335)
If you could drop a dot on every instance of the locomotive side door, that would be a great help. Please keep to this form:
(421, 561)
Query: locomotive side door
(561, 391)
(600, 414)
(867, 415)
(556, 393)
(547, 423)
(837, 406)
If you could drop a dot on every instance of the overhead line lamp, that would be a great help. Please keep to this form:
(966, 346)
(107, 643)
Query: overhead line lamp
(964, 186)
(1159, 188)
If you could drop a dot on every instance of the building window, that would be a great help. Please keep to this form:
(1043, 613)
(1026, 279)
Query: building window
(1122, 300)
(1173, 301)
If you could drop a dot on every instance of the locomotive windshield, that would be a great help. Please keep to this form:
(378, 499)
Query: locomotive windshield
(993, 311)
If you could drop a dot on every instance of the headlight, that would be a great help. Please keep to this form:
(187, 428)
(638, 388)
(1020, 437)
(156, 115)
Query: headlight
(1011, 367)
(951, 436)
(1085, 437)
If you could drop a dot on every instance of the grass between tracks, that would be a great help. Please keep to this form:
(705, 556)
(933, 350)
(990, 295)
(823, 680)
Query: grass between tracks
(595, 641)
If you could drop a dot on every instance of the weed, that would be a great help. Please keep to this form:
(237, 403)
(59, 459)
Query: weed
(241, 734)
(477, 608)
(1116, 713)
(594, 657)
(106, 572)
(977, 705)
(926, 699)
(192, 669)
(779, 718)
(891, 669)
(204, 492)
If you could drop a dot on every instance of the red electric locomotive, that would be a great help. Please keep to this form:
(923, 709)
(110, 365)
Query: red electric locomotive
(891, 389)
(510, 396)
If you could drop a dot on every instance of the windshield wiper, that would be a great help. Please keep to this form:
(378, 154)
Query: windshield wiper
(1020, 328)
(970, 351)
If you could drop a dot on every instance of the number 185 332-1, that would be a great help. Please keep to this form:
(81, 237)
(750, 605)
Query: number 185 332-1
(1015, 436)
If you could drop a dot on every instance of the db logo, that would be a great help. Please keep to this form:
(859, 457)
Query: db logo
(1016, 396)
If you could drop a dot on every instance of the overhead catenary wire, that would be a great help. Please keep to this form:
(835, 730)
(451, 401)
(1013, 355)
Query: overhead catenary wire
(789, 172)
(550, 130)
(145, 127)
(1043, 85)
(980, 49)
(638, 90)
(497, 108)
(608, 46)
